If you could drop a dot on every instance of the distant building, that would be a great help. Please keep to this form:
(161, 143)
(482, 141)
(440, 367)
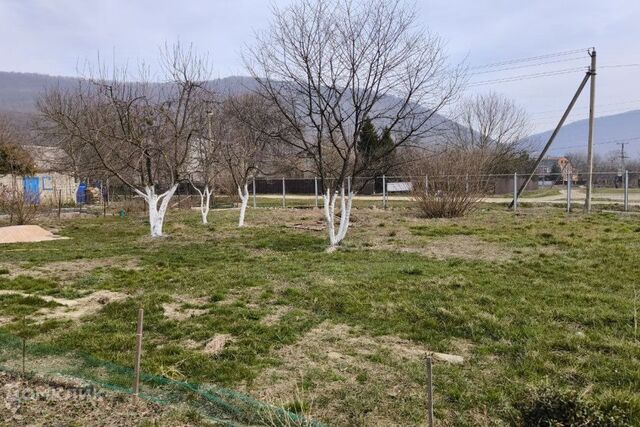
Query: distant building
(557, 169)
(50, 183)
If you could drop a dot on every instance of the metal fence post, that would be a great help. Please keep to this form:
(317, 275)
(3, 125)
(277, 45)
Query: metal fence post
(284, 203)
(569, 184)
(426, 185)
(515, 191)
(384, 191)
(315, 188)
(254, 193)
(626, 190)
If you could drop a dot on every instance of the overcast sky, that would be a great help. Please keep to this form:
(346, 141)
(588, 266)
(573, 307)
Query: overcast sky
(52, 36)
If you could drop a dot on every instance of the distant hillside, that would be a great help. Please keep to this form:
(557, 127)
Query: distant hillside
(608, 129)
(19, 91)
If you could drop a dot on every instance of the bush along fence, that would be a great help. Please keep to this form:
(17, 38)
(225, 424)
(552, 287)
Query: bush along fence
(221, 405)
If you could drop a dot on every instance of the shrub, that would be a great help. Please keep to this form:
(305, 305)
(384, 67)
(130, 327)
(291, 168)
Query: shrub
(14, 203)
(547, 406)
(454, 185)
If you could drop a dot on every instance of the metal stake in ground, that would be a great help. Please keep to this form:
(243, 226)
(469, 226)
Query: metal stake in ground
(254, 192)
(384, 191)
(569, 195)
(626, 190)
(515, 192)
(315, 189)
(136, 373)
(429, 363)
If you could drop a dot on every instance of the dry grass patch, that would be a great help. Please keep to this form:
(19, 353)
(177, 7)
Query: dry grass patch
(348, 378)
(465, 247)
(71, 309)
(276, 315)
(66, 271)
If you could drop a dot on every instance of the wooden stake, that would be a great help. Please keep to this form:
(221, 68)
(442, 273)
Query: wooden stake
(24, 353)
(635, 313)
(429, 391)
(136, 381)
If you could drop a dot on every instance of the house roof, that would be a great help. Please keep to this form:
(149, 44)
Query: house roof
(47, 158)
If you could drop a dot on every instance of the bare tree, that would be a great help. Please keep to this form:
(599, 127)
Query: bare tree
(204, 164)
(494, 129)
(57, 109)
(327, 65)
(248, 122)
(141, 133)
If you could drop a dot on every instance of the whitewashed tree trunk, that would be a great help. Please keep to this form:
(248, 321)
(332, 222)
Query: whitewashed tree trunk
(244, 200)
(205, 201)
(335, 238)
(158, 204)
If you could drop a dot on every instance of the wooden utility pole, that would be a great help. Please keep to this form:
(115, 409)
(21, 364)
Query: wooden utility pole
(592, 100)
(583, 83)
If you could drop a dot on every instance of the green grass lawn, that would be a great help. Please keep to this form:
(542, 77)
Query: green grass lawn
(541, 299)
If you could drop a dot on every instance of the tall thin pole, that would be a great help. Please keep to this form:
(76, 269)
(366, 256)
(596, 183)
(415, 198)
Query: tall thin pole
(569, 194)
(515, 191)
(254, 193)
(592, 103)
(284, 203)
(429, 391)
(315, 188)
(136, 372)
(626, 190)
(555, 132)
(384, 191)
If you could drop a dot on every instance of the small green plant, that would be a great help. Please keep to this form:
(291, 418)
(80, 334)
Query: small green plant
(548, 406)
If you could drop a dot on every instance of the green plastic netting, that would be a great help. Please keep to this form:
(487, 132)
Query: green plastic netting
(219, 404)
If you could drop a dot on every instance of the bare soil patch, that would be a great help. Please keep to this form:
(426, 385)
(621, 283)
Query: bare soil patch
(26, 234)
(40, 402)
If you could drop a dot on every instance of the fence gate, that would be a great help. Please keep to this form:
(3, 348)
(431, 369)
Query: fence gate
(31, 186)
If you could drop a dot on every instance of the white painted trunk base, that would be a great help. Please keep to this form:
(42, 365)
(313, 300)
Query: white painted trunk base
(244, 200)
(335, 238)
(205, 201)
(158, 204)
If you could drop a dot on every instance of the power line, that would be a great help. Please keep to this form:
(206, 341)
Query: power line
(632, 101)
(602, 112)
(527, 77)
(620, 66)
(529, 59)
(606, 142)
(528, 66)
